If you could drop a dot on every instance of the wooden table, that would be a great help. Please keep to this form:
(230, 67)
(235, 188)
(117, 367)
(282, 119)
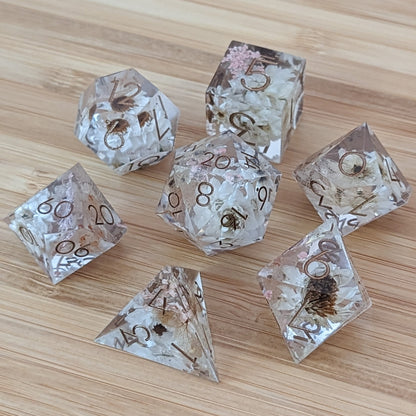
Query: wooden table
(361, 65)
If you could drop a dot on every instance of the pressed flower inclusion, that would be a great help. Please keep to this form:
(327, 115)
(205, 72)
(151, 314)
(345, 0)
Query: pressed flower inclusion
(258, 94)
(167, 323)
(220, 193)
(353, 180)
(126, 121)
(313, 290)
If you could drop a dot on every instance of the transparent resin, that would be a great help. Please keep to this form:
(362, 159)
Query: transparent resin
(67, 224)
(126, 121)
(353, 180)
(167, 323)
(313, 290)
(220, 193)
(258, 94)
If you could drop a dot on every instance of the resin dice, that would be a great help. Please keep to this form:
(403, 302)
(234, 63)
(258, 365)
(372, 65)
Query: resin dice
(353, 180)
(167, 323)
(220, 192)
(126, 121)
(258, 94)
(67, 224)
(313, 290)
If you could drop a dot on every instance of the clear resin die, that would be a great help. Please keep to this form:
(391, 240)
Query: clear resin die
(258, 94)
(220, 193)
(353, 180)
(126, 121)
(313, 290)
(167, 323)
(67, 224)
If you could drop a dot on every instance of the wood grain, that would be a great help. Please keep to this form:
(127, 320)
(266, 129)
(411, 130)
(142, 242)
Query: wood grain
(361, 61)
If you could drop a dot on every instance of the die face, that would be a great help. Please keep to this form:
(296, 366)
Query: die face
(67, 224)
(353, 180)
(313, 290)
(126, 121)
(220, 192)
(258, 94)
(167, 323)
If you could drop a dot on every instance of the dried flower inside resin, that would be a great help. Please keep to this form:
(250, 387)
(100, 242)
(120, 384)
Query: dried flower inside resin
(67, 224)
(353, 180)
(167, 323)
(313, 290)
(257, 93)
(321, 296)
(126, 121)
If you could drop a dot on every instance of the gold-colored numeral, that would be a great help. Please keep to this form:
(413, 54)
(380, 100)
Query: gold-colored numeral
(230, 219)
(244, 127)
(192, 360)
(357, 168)
(157, 127)
(252, 71)
(321, 258)
(251, 161)
(68, 246)
(104, 212)
(354, 210)
(118, 127)
(174, 201)
(203, 197)
(28, 235)
(163, 308)
(263, 195)
(62, 210)
(312, 185)
(220, 162)
(123, 102)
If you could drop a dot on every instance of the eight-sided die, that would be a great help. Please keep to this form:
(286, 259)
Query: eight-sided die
(353, 180)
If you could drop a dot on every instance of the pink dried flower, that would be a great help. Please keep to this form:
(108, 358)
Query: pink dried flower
(268, 294)
(240, 57)
(302, 255)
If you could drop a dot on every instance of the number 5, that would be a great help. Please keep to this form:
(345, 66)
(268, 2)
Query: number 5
(252, 71)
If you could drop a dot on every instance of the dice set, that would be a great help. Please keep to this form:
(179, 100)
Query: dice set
(220, 194)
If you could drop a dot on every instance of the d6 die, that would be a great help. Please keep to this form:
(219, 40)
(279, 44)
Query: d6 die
(353, 180)
(67, 224)
(126, 121)
(258, 94)
(220, 192)
(313, 290)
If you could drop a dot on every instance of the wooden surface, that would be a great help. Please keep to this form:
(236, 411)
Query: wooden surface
(361, 66)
